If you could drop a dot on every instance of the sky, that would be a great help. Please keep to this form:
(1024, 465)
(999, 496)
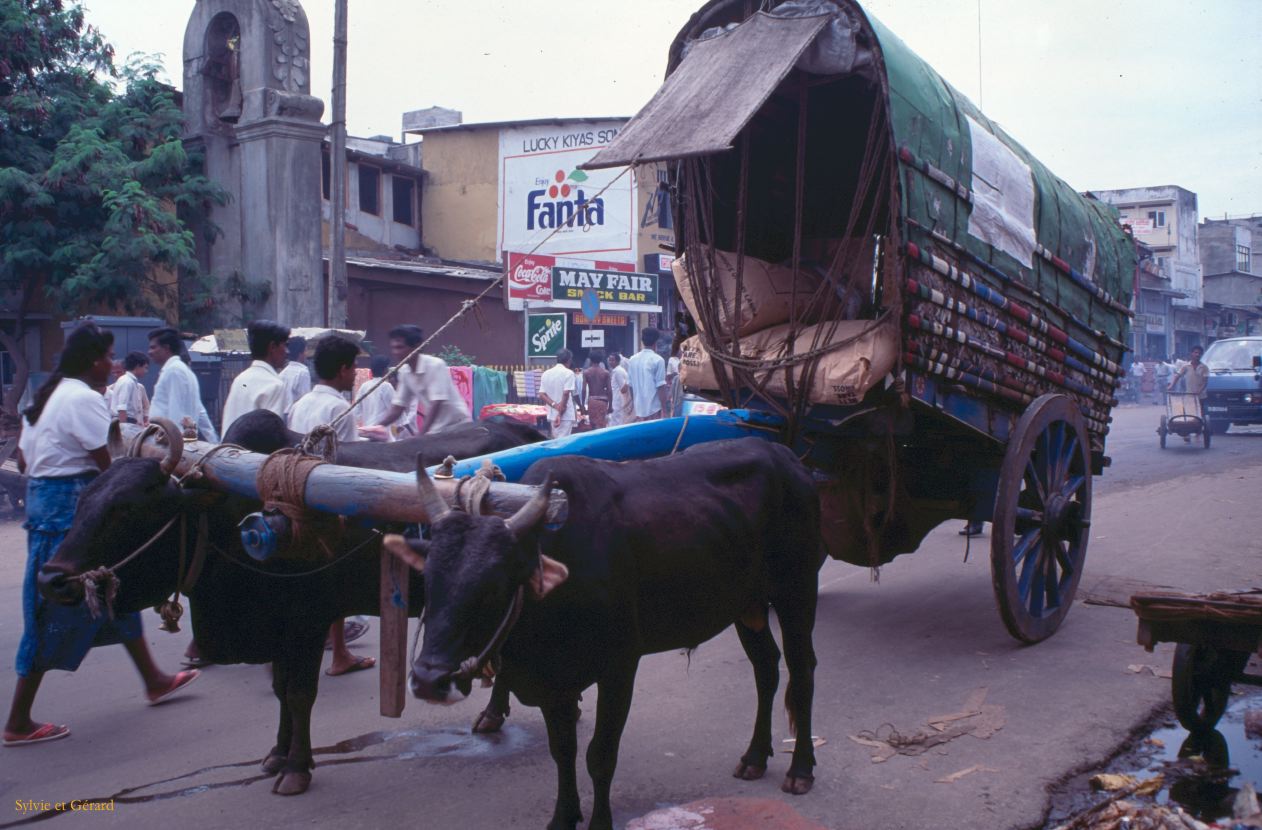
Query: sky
(1107, 93)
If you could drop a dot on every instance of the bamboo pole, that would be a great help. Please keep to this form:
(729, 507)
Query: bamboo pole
(344, 491)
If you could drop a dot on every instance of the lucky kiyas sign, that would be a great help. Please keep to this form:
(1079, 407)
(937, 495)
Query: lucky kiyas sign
(549, 206)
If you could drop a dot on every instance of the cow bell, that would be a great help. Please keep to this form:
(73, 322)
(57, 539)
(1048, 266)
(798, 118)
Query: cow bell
(265, 534)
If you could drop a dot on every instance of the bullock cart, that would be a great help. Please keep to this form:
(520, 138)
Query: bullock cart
(935, 321)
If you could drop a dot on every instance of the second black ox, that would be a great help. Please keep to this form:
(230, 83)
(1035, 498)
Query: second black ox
(652, 556)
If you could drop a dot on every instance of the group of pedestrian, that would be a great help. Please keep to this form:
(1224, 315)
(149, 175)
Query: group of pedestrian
(611, 391)
(63, 447)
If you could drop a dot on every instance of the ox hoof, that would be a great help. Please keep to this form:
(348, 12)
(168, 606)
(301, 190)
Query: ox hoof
(748, 772)
(488, 722)
(797, 784)
(273, 763)
(292, 783)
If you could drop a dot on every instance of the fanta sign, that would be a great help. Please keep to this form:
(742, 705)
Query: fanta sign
(549, 206)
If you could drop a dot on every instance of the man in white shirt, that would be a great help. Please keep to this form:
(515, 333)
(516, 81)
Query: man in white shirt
(622, 409)
(647, 372)
(335, 366)
(424, 382)
(296, 375)
(177, 395)
(556, 390)
(260, 386)
(127, 398)
(377, 402)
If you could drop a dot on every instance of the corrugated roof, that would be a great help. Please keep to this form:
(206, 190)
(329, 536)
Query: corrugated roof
(427, 268)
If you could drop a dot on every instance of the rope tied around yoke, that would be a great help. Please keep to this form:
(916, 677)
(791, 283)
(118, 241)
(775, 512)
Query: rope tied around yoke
(282, 485)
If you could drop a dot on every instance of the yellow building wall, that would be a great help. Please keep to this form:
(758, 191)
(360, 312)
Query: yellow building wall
(460, 195)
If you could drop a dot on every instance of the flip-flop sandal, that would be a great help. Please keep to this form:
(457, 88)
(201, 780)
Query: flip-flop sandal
(41, 734)
(361, 664)
(180, 683)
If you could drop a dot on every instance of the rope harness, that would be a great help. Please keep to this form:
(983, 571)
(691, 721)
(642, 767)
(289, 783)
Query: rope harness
(282, 486)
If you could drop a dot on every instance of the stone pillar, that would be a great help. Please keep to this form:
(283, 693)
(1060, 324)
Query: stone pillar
(248, 109)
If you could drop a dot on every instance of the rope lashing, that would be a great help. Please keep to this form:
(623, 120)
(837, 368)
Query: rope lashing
(100, 588)
(282, 485)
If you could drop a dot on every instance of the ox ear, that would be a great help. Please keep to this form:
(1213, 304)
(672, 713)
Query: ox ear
(548, 576)
(410, 551)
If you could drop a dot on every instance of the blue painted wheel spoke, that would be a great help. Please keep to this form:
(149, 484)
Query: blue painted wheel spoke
(1024, 555)
(1052, 581)
(1037, 583)
(1033, 482)
(1065, 560)
(1072, 486)
(1065, 464)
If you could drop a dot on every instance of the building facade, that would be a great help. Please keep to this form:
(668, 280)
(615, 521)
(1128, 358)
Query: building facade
(1233, 274)
(1170, 315)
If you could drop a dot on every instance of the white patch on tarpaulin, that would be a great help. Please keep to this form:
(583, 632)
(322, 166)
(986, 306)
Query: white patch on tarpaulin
(1003, 197)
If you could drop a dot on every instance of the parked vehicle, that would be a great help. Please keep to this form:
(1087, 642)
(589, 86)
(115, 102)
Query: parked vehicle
(1234, 394)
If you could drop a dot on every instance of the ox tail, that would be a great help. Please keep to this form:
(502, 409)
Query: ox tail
(789, 711)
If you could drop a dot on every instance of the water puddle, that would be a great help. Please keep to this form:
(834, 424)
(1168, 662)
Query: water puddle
(1200, 774)
(372, 747)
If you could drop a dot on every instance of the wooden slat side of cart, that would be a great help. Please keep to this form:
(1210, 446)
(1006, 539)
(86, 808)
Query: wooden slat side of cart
(811, 140)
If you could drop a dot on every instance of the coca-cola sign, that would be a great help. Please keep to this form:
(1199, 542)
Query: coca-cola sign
(529, 278)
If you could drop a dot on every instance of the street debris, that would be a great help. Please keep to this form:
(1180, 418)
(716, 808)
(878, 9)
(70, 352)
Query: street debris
(1127, 815)
(816, 741)
(1253, 724)
(725, 814)
(1112, 782)
(958, 774)
(976, 718)
(1155, 671)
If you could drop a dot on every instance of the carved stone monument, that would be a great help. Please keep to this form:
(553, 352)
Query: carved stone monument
(248, 107)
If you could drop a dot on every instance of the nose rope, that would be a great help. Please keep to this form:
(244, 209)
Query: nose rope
(472, 666)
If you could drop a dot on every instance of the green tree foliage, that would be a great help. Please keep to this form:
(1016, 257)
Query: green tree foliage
(97, 193)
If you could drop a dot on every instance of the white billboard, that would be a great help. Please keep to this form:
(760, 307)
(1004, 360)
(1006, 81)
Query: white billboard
(548, 206)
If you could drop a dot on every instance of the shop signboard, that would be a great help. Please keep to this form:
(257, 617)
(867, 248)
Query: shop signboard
(1153, 323)
(528, 277)
(549, 206)
(617, 290)
(545, 334)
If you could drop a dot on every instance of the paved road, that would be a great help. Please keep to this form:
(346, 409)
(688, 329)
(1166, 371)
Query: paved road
(918, 644)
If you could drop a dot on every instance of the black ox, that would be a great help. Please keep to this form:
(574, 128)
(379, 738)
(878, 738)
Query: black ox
(239, 613)
(638, 567)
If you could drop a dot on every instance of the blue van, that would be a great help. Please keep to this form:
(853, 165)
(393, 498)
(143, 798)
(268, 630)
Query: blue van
(1234, 394)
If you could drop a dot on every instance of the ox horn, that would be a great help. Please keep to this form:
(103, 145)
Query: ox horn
(532, 512)
(175, 444)
(435, 505)
(114, 441)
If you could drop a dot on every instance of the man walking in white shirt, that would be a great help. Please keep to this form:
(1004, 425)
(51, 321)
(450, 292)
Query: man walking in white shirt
(128, 400)
(424, 382)
(177, 395)
(377, 402)
(622, 408)
(647, 372)
(260, 386)
(335, 366)
(296, 375)
(556, 390)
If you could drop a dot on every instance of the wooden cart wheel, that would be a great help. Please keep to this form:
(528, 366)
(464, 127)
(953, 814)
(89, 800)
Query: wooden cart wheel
(1041, 519)
(1200, 684)
(1162, 432)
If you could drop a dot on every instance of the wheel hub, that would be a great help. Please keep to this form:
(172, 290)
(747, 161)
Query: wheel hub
(1060, 516)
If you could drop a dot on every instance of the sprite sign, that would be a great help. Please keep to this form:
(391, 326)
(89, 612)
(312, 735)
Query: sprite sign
(545, 334)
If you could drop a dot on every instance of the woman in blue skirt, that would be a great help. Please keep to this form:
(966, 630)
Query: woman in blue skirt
(62, 448)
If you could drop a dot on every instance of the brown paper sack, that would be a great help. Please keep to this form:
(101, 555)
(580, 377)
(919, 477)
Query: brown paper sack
(843, 376)
(766, 291)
